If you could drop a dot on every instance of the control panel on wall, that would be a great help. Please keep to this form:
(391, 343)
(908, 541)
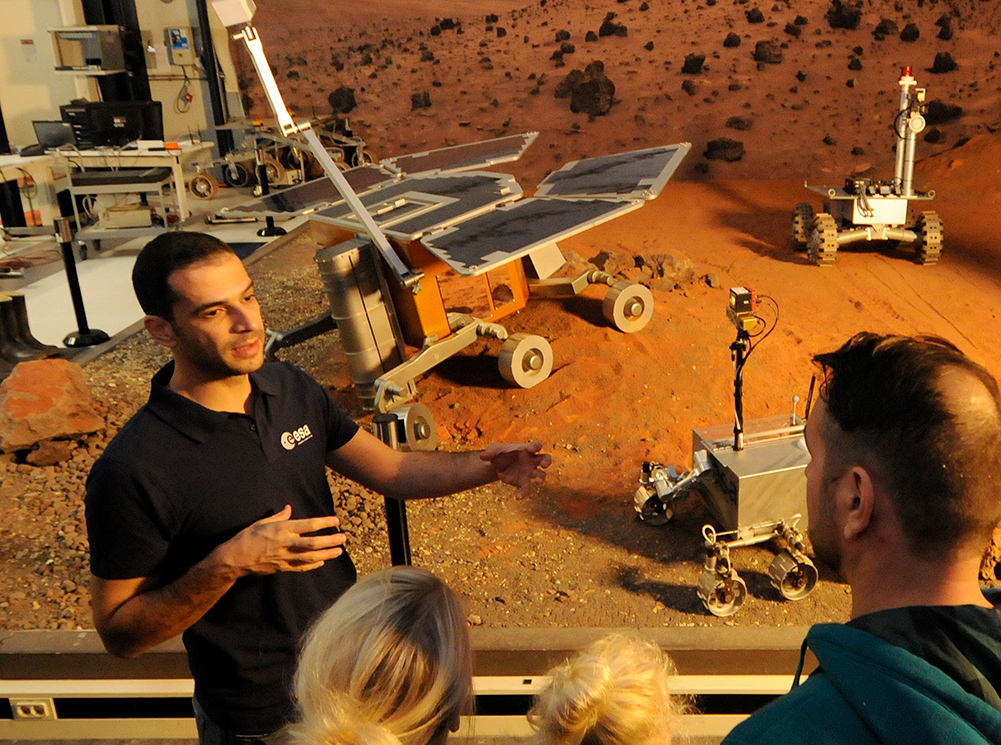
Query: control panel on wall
(179, 47)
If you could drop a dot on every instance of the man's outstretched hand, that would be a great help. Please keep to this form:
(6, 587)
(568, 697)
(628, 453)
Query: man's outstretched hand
(520, 465)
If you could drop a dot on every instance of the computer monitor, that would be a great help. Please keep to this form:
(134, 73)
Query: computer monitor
(51, 135)
(115, 123)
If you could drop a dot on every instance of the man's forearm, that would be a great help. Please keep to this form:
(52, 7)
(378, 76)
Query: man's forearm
(156, 615)
(438, 474)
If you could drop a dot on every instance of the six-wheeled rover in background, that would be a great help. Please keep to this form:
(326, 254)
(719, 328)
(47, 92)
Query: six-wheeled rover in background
(751, 477)
(871, 210)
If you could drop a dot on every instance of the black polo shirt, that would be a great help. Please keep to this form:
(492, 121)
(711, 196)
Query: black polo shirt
(180, 479)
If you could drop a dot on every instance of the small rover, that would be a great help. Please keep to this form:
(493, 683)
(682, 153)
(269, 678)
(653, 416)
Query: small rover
(872, 210)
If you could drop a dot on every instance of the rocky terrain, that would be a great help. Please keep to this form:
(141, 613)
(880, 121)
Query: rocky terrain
(573, 553)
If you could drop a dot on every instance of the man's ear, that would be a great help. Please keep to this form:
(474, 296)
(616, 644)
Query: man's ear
(161, 330)
(858, 499)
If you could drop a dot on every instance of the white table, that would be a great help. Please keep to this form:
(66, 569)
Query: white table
(107, 157)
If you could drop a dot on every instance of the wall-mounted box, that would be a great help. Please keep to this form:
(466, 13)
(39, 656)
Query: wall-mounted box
(95, 50)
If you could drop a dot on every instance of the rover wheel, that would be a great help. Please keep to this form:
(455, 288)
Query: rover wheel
(525, 360)
(655, 511)
(929, 242)
(628, 306)
(236, 174)
(275, 171)
(203, 186)
(722, 596)
(292, 158)
(419, 430)
(793, 579)
(802, 225)
(822, 247)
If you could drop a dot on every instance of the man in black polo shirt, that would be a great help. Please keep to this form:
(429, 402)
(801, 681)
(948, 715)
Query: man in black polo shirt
(210, 514)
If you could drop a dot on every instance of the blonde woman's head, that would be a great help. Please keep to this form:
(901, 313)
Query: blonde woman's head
(614, 693)
(388, 663)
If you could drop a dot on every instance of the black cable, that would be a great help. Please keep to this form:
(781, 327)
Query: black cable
(766, 332)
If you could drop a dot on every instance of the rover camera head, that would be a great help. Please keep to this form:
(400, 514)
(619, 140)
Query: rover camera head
(742, 308)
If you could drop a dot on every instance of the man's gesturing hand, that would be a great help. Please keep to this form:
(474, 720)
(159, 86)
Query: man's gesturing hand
(279, 544)
(520, 464)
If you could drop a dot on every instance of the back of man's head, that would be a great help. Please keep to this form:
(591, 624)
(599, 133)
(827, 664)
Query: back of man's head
(161, 257)
(925, 421)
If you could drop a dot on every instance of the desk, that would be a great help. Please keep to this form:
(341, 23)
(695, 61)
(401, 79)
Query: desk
(120, 158)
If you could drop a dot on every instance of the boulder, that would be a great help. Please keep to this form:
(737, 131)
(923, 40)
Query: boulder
(768, 51)
(943, 63)
(342, 100)
(589, 91)
(44, 400)
(612, 263)
(731, 41)
(724, 149)
(693, 64)
(610, 28)
(911, 33)
(886, 27)
(667, 267)
(840, 15)
(573, 79)
(420, 101)
(50, 452)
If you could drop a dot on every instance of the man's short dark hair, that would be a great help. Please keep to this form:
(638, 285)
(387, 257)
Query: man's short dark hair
(891, 412)
(163, 256)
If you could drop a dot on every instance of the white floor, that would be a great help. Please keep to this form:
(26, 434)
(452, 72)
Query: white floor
(106, 279)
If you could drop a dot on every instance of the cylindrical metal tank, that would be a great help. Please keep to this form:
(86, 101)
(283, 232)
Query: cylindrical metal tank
(351, 279)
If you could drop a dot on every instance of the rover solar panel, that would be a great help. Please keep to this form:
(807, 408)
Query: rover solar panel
(310, 196)
(507, 233)
(463, 157)
(640, 174)
(416, 205)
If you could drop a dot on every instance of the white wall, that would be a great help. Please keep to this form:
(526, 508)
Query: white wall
(165, 80)
(30, 88)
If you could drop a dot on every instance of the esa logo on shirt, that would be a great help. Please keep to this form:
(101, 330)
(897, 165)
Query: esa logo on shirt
(299, 436)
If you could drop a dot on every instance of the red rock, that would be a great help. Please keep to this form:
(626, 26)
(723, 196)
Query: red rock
(50, 452)
(43, 400)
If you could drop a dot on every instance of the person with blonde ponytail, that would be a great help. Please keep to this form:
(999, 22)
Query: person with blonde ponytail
(616, 692)
(388, 664)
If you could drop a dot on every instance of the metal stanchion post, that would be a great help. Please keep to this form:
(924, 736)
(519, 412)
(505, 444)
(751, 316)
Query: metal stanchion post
(396, 509)
(84, 336)
(270, 230)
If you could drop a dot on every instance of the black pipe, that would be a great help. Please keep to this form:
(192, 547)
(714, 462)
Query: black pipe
(84, 336)
(396, 509)
(270, 230)
(224, 138)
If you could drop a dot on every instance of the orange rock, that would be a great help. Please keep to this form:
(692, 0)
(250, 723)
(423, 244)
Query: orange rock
(44, 400)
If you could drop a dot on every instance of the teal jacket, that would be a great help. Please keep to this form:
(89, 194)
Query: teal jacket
(869, 691)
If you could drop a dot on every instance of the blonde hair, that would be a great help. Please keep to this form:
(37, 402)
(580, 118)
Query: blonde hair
(614, 693)
(387, 664)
